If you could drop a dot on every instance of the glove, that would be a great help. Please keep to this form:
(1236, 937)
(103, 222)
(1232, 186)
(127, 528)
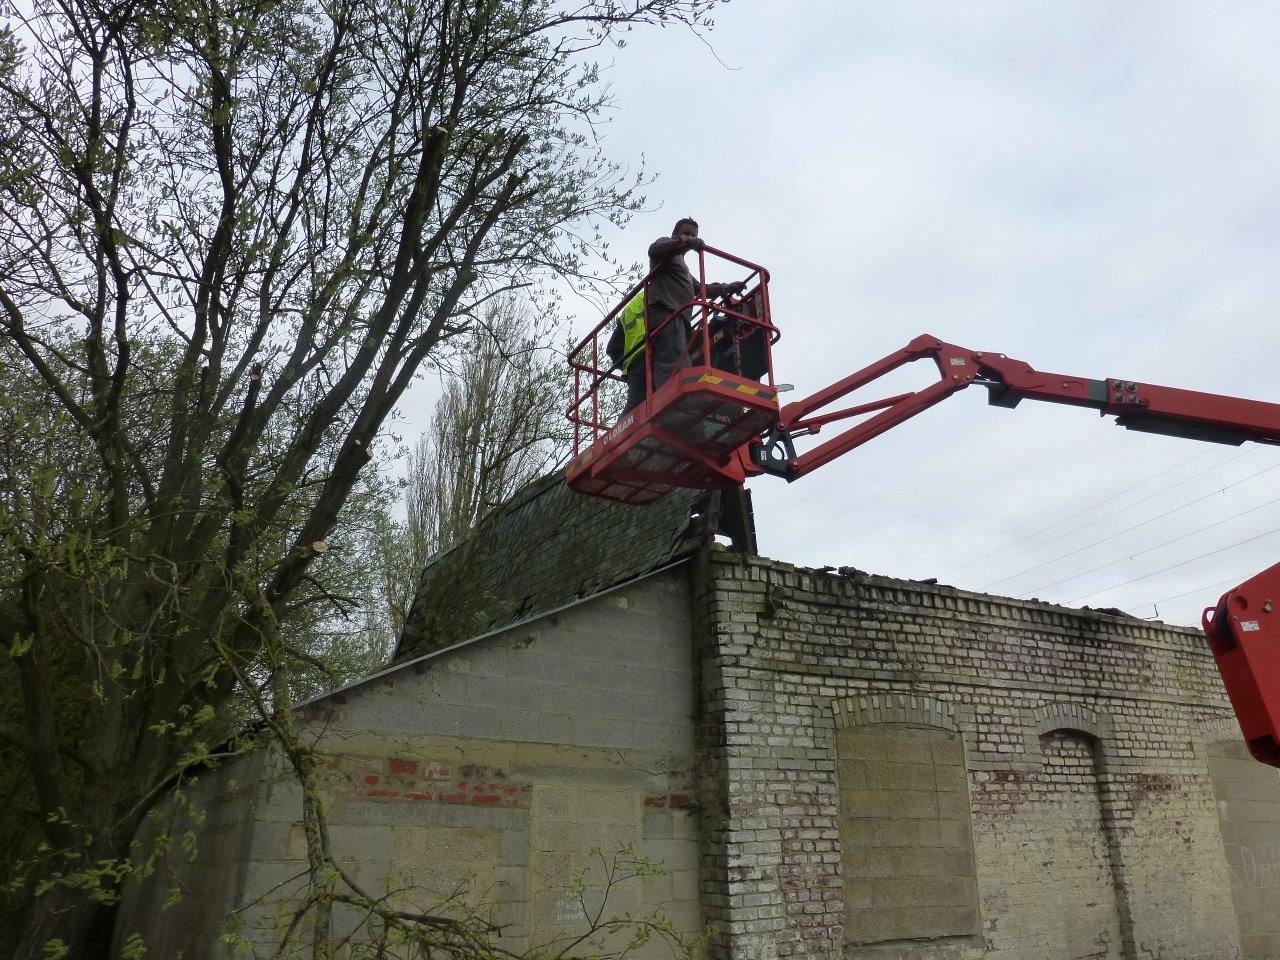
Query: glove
(736, 287)
(695, 243)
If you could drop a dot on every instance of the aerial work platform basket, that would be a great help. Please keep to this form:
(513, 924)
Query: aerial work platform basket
(690, 430)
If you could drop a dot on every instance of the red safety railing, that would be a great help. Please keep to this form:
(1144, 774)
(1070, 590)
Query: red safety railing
(718, 329)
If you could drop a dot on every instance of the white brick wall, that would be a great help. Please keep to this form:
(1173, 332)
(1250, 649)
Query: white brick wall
(1110, 829)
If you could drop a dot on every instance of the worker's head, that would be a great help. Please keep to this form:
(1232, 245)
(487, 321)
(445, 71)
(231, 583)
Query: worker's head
(685, 227)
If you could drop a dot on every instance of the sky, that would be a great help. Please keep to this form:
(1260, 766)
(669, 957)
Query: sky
(1090, 187)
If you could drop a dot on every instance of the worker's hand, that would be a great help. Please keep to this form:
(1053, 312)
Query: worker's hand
(694, 243)
(736, 287)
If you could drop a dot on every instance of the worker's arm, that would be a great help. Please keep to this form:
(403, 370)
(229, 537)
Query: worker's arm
(720, 289)
(664, 248)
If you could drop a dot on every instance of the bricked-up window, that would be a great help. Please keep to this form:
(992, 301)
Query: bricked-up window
(905, 837)
(1248, 797)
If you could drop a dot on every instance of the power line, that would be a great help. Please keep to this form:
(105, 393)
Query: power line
(1100, 503)
(1113, 513)
(1175, 566)
(1187, 593)
(1112, 563)
(1159, 516)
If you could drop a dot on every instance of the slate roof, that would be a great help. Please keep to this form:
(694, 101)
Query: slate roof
(544, 548)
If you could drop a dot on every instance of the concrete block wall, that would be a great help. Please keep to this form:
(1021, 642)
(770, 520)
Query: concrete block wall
(1086, 744)
(502, 768)
(1249, 809)
(905, 833)
(181, 907)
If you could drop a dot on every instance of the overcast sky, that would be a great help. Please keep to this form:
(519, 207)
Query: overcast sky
(1089, 187)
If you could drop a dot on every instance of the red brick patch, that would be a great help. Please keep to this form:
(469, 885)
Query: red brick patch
(417, 781)
(673, 801)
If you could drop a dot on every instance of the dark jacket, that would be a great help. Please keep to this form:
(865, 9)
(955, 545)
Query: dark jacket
(673, 284)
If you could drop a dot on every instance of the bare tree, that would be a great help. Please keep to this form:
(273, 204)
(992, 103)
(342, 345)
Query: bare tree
(499, 424)
(230, 234)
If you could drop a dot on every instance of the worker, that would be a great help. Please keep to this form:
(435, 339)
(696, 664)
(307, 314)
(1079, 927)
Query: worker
(626, 346)
(670, 287)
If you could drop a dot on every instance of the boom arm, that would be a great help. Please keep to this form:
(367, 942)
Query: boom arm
(1243, 629)
(1136, 406)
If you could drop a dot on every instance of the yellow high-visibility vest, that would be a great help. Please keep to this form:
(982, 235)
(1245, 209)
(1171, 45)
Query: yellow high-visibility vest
(633, 330)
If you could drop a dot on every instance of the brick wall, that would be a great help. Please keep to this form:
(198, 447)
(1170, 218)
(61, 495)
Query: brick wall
(1075, 839)
(1085, 745)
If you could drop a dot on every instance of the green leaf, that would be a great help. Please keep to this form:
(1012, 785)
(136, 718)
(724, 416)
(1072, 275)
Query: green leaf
(204, 715)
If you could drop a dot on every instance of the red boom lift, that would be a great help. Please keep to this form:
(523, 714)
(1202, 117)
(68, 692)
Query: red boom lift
(717, 421)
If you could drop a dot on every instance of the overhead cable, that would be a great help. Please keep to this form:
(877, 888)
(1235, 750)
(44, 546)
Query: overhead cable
(1114, 513)
(1187, 593)
(1112, 563)
(1174, 566)
(1159, 516)
(1080, 513)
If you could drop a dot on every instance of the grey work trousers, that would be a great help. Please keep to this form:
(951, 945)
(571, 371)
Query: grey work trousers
(666, 348)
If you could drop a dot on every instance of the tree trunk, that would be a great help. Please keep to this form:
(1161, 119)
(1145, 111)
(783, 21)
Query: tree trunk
(82, 914)
(84, 926)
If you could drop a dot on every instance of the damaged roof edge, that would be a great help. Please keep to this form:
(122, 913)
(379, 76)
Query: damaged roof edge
(442, 651)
